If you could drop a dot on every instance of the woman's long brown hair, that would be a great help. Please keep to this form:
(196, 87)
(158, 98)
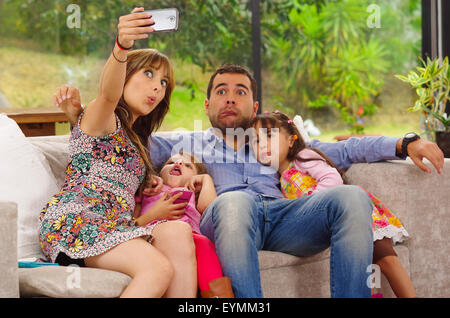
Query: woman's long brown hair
(140, 132)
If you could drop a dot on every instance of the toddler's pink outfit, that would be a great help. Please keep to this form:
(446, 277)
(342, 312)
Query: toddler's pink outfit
(191, 215)
(208, 266)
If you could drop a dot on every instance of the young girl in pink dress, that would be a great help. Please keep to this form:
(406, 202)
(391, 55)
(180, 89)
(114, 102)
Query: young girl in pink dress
(305, 171)
(183, 173)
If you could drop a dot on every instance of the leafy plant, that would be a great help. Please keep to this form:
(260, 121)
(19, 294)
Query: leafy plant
(431, 81)
(330, 58)
(211, 32)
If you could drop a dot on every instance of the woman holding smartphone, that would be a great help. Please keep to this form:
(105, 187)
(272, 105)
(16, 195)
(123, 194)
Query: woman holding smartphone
(89, 222)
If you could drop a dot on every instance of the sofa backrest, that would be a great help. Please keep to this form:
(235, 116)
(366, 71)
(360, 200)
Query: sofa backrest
(56, 151)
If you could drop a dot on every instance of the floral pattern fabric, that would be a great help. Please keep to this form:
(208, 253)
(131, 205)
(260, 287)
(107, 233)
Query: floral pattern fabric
(296, 184)
(92, 212)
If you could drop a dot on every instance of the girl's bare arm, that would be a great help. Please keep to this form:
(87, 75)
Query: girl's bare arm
(99, 118)
(207, 193)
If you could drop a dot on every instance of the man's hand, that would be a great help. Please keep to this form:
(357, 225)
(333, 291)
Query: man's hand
(68, 99)
(419, 149)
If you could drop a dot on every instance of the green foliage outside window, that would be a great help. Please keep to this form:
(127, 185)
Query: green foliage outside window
(324, 52)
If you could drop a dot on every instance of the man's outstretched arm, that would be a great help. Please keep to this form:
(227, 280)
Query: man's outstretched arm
(373, 149)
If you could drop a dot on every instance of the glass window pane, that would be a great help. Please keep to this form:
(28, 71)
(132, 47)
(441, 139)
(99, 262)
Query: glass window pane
(334, 62)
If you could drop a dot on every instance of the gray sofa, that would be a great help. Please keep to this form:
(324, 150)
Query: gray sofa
(420, 200)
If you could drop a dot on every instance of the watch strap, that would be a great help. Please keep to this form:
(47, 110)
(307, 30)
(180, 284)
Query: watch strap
(406, 141)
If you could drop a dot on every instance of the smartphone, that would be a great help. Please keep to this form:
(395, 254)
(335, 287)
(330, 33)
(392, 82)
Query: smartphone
(166, 20)
(184, 197)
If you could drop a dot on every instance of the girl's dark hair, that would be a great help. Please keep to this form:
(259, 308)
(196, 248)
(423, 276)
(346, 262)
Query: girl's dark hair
(279, 120)
(143, 126)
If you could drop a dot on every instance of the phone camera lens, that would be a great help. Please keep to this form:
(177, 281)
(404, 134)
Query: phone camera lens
(171, 18)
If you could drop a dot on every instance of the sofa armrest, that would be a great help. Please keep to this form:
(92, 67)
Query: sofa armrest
(9, 275)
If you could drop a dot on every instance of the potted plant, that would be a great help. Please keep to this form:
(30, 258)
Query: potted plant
(431, 81)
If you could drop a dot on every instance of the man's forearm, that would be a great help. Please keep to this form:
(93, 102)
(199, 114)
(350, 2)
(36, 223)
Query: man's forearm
(354, 150)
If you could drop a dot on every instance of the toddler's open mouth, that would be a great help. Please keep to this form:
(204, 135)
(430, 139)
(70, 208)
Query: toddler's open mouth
(176, 171)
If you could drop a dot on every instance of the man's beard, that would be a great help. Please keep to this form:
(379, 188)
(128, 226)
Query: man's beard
(243, 123)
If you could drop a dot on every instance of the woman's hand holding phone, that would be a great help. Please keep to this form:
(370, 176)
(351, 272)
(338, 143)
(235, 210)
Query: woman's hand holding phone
(134, 26)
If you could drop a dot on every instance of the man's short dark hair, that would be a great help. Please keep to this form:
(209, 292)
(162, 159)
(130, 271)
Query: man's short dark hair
(233, 69)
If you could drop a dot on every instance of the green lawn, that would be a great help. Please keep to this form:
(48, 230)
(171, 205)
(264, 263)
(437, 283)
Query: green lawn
(184, 111)
(392, 129)
(29, 79)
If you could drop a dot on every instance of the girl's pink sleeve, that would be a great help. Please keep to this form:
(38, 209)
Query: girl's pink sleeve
(326, 176)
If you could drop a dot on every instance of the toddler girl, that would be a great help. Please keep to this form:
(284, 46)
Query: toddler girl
(305, 171)
(181, 173)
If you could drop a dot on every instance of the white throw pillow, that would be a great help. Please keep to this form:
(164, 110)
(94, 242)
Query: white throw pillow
(25, 178)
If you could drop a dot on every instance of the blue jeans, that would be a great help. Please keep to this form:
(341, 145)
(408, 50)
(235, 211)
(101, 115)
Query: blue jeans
(341, 217)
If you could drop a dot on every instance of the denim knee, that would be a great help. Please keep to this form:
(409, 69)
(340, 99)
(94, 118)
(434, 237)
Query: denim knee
(354, 203)
(234, 208)
(353, 218)
(231, 212)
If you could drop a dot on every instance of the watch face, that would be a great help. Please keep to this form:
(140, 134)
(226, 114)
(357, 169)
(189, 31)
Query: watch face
(410, 135)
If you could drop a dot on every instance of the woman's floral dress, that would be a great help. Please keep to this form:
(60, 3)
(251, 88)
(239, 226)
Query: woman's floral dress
(296, 184)
(93, 211)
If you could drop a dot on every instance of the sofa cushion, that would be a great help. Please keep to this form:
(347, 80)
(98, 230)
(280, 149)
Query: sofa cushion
(269, 259)
(289, 276)
(26, 179)
(71, 282)
(299, 276)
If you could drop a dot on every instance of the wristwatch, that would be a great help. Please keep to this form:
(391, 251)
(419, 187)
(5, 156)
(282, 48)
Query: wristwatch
(407, 139)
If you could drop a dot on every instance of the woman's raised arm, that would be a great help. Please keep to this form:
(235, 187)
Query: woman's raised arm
(99, 116)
